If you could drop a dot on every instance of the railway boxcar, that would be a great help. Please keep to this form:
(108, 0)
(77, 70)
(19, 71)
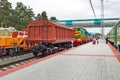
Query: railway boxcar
(114, 36)
(49, 35)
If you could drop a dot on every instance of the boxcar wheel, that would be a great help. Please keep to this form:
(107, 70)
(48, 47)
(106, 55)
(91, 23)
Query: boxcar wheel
(11, 52)
(35, 54)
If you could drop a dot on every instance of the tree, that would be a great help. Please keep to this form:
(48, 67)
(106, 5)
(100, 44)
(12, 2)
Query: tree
(24, 15)
(38, 17)
(13, 18)
(44, 15)
(20, 16)
(5, 12)
(53, 18)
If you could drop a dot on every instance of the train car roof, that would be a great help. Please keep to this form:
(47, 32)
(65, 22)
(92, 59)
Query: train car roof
(47, 23)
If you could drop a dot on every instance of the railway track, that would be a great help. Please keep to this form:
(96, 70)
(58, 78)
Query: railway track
(11, 62)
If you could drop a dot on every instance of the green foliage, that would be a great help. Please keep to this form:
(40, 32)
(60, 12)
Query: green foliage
(53, 18)
(38, 17)
(24, 15)
(5, 12)
(20, 16)
(22, 25)
(44, 15)
(97, 35)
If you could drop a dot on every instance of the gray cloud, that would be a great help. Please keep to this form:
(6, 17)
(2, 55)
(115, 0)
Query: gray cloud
(72, 9)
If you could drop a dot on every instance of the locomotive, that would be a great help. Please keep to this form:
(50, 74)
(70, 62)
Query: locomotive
(81, 36)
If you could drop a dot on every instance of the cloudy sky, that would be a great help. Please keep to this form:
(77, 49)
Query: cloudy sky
(73, 9)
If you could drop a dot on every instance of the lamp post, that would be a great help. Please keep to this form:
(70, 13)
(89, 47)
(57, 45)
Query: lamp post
(102, 18)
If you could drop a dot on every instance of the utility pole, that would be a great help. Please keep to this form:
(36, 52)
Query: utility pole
(102, 18)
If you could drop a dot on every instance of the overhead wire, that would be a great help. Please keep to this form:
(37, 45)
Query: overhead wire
(92, 9)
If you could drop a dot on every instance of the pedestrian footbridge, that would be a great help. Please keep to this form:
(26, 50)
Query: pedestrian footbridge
(108, 22)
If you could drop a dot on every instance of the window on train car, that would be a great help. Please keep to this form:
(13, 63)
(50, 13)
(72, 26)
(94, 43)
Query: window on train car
(1, 32)
(6, 32)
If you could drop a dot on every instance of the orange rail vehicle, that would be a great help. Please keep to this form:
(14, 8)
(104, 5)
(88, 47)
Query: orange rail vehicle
(11, 45)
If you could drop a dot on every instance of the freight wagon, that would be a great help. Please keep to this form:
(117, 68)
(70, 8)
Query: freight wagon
(114, 36)
(49, 37)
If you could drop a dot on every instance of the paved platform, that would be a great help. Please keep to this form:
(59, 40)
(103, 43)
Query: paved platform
(86, 62)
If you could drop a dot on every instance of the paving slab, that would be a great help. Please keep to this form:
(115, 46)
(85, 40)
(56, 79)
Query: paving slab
(95, 49)
(73, 67)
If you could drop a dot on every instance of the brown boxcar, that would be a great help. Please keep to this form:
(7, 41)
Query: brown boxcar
(48, 31)
(49, 37)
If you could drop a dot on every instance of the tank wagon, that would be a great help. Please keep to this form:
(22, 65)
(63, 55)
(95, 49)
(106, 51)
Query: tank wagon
(114, 36)
(49, 37)
(81, 36)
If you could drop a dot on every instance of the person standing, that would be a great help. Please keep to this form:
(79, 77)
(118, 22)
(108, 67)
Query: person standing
(97, 40)
(106, 40)
(94, 41)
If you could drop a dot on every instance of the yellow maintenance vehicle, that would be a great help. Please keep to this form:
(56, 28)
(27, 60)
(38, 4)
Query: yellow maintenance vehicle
(11, 46)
